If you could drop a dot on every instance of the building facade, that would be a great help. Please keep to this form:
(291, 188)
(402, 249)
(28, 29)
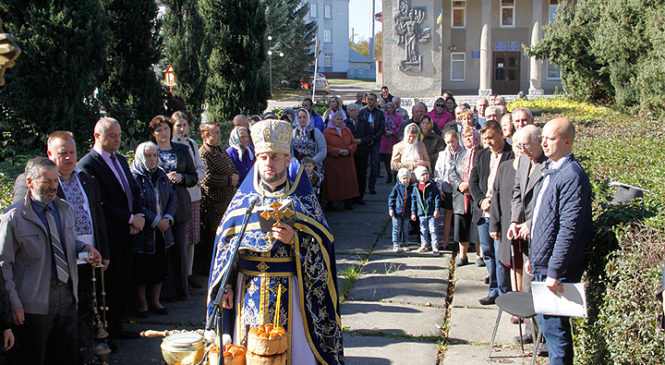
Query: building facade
(332, 18)
(476, 49)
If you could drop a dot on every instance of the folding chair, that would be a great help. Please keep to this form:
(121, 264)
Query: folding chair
(518, 304)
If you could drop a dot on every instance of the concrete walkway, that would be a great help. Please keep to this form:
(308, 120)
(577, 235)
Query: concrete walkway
(394, 308)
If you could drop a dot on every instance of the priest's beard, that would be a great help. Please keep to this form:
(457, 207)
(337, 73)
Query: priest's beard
(276, 178)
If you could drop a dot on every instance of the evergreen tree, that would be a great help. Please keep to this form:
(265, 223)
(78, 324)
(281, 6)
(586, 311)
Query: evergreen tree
(236, 83)
(52, 85)
(130, 90)
(187, 52)
(293, 37)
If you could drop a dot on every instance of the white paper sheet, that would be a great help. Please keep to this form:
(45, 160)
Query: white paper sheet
(570, 303)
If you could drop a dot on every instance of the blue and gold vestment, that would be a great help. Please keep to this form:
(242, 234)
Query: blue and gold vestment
(265, 265)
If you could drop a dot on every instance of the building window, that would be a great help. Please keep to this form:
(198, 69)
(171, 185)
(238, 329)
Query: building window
(327, 11)
(458, 14)
(553, 71)
(457, 66)
(327, 35)
(554, 5)
(327, 59)
(508, 13)
(313, 9)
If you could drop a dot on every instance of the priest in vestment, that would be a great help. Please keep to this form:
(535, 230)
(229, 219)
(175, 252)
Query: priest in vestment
(295, 261)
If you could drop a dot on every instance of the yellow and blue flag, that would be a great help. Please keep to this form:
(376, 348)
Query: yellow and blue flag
(440, 18)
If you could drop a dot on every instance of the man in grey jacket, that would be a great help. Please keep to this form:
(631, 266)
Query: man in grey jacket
(38, 251)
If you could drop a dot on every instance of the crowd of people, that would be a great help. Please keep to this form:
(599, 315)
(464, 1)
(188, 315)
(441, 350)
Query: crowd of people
(483, 172)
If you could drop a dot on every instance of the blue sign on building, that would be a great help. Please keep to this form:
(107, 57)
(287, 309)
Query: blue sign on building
(475, 54)
(500, 46)
(513, 46)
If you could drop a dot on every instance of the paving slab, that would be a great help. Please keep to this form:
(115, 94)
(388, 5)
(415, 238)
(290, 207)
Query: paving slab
(345, 261)
(402, 319)
(375, 350)
(385, 246)
(426, 267)
(477, 355)
(471, 271)
(340, 221)
(476, 326)
(189, 315)
(422, 291)
(354, 242)
(467, 293)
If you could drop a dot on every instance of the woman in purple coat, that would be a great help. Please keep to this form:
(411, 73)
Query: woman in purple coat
(240, 151)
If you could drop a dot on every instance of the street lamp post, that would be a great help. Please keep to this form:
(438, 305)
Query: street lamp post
(281, 54)
(270, 61)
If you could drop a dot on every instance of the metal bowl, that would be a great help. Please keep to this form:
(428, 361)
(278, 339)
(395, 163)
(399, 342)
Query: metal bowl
(185, 348)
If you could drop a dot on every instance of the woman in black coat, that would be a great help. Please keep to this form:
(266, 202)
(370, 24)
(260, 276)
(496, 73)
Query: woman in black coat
(176, 161)
(159, 201)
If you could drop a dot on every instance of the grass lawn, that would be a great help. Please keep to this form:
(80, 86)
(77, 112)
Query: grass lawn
(348, 81)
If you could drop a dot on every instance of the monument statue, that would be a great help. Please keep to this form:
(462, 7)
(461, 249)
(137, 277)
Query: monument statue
(9, 51)
(407, 27)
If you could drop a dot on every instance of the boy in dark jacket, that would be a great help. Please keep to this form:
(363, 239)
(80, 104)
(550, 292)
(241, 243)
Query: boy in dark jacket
(425, 203)
(399, 208)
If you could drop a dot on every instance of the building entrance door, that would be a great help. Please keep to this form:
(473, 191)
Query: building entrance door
(506, 73)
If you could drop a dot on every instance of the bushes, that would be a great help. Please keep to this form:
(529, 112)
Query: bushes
(627, 252)
(610, 51)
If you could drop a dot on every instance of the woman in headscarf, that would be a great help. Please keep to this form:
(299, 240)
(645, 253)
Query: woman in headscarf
(388, 140)
(458, 176)
(339, 182)
(241, 152)
(410, 152)
(181, 135)
(334, 106)
(307, 140)
(443, 165)
(159, 201)
(439, 114)
(432, 141)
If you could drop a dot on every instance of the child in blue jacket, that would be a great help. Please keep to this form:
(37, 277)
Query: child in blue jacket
(426, 203)
(399, 208)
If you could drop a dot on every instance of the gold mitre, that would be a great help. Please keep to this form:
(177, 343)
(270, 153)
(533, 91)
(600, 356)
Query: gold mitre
(272, 135)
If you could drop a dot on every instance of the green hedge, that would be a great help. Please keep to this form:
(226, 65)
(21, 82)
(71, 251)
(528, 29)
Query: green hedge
(627, 254)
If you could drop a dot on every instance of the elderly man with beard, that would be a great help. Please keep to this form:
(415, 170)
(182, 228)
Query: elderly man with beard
(38, 252)
(293, 258)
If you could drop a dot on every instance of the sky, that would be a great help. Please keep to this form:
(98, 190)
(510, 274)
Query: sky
(360, 16)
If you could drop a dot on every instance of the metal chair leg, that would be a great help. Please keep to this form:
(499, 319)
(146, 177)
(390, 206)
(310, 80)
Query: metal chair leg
(519, 324)
(496, 327)
(536, 346)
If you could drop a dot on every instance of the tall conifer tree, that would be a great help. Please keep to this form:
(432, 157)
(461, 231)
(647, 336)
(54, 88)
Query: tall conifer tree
(293, 36)
(53, 82)
(130, 90)
(187, 51)
(236, 82)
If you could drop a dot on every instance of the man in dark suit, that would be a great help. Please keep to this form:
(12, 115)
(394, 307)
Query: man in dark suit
(364, 135)
(38, 252)
(481, 184)
(82, 192)
(377, 120)
(123, 210)
(561, 230)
